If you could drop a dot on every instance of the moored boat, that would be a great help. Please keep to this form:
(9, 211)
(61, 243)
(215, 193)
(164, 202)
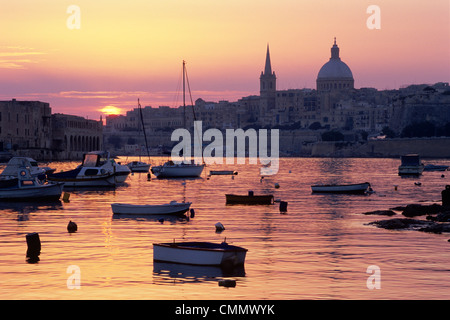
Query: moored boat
(178, 170)
(26, 187)
(357, 188)
(199, 253)
(96, 170)
(410, 165)
(250, 199)
(138, 166)
(16, 163)
(222, 172)
(435, 167)
(171, 208)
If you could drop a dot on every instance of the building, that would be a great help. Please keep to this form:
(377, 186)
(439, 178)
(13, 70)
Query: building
(335, 74)
(73, 135)
(28, 128)
(25, 125)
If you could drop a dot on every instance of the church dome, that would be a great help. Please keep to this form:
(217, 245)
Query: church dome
(335, 69)
(335, 74)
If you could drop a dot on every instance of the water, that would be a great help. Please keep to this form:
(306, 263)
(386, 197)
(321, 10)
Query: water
(319, 249)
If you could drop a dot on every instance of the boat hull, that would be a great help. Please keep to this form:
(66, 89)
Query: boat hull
(410, 170)
(359, 188)
(81, 181)
(177, 171)
(171, 208)
(249, 199)
(47, 192)
(199, 253)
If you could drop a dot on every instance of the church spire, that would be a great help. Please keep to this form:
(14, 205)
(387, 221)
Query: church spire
(268, 67)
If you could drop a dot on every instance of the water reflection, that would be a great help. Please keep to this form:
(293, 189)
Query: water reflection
(161, 218)
(168, 272)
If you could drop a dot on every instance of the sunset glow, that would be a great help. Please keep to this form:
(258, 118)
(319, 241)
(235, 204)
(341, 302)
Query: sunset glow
(110, 110)
(135, 48)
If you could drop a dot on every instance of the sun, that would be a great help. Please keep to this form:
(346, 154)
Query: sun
(111, 110)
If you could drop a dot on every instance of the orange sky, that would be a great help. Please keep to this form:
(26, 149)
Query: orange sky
(133, 49)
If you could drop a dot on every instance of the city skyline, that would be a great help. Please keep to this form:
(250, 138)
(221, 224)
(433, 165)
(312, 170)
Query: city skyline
(125, 51)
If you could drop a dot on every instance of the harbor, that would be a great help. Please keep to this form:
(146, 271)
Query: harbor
(320, 247)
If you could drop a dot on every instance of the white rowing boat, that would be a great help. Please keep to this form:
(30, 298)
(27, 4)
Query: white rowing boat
(199, 253)
(151, 209)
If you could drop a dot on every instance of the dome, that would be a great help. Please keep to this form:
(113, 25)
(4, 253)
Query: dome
(335, 74)
(335, 69)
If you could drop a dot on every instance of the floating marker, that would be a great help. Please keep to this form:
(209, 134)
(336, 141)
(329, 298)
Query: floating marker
(66, 197)
(228, 283)
(192, 213)
(34, 247)
(283, 206)
(72, 227)
(277, 185)
(219, 227)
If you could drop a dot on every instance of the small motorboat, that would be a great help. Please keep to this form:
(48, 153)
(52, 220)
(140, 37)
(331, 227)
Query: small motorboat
(138, 166)
(435, 167)
(222, 172)
(249, 199)
(200, 253)
(410, 165)
(28, 187)
(358, 188)
(16, 163)
(150, 209)
(96, 170)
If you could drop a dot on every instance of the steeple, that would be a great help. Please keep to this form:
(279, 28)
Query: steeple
(268, 67)
(268, 80)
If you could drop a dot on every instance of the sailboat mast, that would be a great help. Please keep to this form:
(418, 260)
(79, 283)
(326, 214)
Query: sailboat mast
(184, 94)
(143, 129)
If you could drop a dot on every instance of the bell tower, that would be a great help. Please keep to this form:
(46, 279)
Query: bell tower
(267, 80)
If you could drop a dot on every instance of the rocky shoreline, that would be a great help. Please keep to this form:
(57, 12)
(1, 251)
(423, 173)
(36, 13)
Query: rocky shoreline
(437, 218)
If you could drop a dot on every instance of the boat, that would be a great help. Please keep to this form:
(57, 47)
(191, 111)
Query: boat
(357, 188)
(16, 163)
(410, 165)
(249, 199)
(200, 253)
(96, 170)
(179, 169)
(139, 166)
(222, 172)
(172, 208)
(27, 187)
(435, 167)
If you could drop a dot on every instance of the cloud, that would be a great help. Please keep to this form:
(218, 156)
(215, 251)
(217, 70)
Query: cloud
(15, 57)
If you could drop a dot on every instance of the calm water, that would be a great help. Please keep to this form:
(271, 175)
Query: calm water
(320, 249)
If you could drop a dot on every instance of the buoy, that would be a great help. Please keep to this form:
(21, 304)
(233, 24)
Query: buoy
(418, 183)
(283, 206)
(219, 227)
(228, 283)
(34, 247)
(395, 188)
(66, 197)
(192, 213)
(149, 176)
(446, 196)
(161, 220)
(72, 227)
(277, 185)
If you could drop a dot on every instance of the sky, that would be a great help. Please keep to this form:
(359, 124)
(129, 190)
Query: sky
(113, 52)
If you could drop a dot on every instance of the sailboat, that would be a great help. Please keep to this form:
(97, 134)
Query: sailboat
(184, 169)
(139, 166)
